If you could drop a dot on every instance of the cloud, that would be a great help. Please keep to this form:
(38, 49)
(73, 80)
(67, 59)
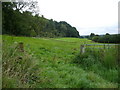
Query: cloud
(98, 30)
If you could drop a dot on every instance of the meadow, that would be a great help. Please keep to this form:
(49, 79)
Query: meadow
(57, 63)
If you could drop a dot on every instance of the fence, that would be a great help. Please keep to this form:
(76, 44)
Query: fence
(101, 46)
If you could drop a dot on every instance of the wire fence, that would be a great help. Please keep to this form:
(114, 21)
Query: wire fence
(98, 46)
(108, 54)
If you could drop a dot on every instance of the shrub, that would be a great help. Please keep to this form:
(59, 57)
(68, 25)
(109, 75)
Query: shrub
(95, 38)
(85, 60)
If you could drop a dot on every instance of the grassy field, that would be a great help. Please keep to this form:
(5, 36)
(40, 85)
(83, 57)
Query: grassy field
(56, 63)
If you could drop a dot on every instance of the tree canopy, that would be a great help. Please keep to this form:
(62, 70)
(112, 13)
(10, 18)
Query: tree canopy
(19, 21)
(107, 38)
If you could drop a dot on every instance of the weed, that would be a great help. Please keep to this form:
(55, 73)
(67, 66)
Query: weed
(18, 67)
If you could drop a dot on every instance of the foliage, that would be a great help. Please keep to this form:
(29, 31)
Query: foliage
(95, 38)
(92, 35)
(102, 61)
(107, 38)
(20, 22)
(20, 69)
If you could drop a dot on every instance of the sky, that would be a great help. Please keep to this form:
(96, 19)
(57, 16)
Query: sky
(88, 16)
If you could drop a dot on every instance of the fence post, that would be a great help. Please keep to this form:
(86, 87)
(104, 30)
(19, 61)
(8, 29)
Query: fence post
(21, 47)
(82, 49)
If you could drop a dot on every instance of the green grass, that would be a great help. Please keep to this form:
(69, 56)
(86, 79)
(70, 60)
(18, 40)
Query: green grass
(48, 63)
(102, 61)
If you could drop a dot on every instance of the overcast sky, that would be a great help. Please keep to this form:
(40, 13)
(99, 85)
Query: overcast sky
(88, 16)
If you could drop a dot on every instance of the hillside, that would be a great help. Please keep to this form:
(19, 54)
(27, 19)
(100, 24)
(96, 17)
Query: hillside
(24, 23)
(51, 63)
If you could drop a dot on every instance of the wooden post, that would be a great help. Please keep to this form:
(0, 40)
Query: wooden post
(82, 49)
(21, 47)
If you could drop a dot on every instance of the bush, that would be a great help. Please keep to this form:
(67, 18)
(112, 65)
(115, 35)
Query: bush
(107, 38)
(85, 60)
(95, 38)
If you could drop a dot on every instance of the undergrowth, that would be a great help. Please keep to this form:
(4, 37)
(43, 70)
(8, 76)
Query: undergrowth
(101, 61)
(20, 69)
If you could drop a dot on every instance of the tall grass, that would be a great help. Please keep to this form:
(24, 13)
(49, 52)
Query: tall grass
(101, 61)
(110, 58)
(20, 69)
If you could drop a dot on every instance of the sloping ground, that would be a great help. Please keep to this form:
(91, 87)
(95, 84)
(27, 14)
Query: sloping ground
(54, 59)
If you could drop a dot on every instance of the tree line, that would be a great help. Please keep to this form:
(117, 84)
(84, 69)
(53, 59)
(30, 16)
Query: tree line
(107, 38)
(20, 22)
